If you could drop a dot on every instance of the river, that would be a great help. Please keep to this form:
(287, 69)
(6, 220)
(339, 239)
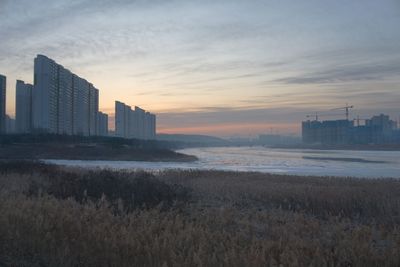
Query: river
(341, 163)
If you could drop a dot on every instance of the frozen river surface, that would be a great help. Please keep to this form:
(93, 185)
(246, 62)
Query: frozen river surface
(261, 159)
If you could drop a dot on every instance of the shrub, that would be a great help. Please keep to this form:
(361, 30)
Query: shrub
(129, 190)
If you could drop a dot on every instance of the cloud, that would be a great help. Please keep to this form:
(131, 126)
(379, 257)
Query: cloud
(346, 74)
(213, 60)
(235, 129)
(216, 115)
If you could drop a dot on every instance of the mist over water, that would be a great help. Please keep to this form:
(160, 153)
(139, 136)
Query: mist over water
(368, 164)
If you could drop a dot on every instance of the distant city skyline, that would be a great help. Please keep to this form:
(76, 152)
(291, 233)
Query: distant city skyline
(222, 68)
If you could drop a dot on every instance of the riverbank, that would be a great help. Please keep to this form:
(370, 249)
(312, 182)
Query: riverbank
(361, 147)
(57, 216)
(91, 151)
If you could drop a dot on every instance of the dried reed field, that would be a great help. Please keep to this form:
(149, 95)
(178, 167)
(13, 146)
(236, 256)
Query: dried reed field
(56, 216)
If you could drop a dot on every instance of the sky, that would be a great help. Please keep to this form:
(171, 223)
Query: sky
(217, 67)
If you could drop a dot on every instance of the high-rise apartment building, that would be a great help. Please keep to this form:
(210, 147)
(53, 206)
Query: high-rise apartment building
(119, 119)
(140, 123)
(127, 120)
(63, 103)
(93, 109)
(10, 125)
(153, 130)
(377, 130)
(102, 124)
(147, 124)
(136, 123)
(150, 126)
(80, 106)
(2, 104)
(23, 107)
(45, 95)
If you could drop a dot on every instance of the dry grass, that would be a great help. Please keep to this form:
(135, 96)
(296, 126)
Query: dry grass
(365, 200)
(220, 219)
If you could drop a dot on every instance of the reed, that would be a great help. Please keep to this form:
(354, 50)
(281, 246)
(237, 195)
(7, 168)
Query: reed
(52, 216)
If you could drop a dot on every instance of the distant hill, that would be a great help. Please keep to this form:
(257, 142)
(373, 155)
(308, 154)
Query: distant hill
(193, 140)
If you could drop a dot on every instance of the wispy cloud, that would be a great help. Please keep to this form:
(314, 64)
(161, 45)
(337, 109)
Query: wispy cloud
(351, 73)
(229, 61)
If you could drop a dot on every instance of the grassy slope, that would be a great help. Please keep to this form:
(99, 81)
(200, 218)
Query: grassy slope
(70, 217)
(90, 152)
(52, 146)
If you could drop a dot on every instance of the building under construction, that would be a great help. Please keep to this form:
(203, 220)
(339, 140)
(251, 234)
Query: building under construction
(376, 130)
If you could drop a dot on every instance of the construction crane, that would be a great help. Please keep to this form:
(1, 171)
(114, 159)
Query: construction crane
(360, 119)
(317, 115)
(346, 108)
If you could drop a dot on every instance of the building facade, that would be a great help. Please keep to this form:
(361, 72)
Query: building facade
(150, 126)
(102, 124)
(63, 102)
(10, 125)
(93, 109)
(136, 123)
(80, 106)
(3, 83)
(140, 123)
(327, 132)
(45, 95)
(377, 130)
(384, 126)
(119, 119)
(23, 107)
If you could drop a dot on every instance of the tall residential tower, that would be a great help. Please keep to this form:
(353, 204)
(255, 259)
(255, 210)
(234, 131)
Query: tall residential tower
(23, 107)
(102, 124)
(136, 123)
(63, 103)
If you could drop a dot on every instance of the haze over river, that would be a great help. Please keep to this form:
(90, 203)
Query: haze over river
(261, 159)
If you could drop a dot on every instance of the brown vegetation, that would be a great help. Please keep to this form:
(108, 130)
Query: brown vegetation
(37, 151)
(51, 216)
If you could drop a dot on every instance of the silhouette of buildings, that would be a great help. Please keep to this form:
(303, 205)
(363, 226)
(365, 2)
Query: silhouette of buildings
(120, 119)
(63, 103)
(135, 123)
(383, 125)
(150, 125)
(10, 125)
(377, 130)
(3, 104)
(102, 124)
(23, 107)
(327, 132)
